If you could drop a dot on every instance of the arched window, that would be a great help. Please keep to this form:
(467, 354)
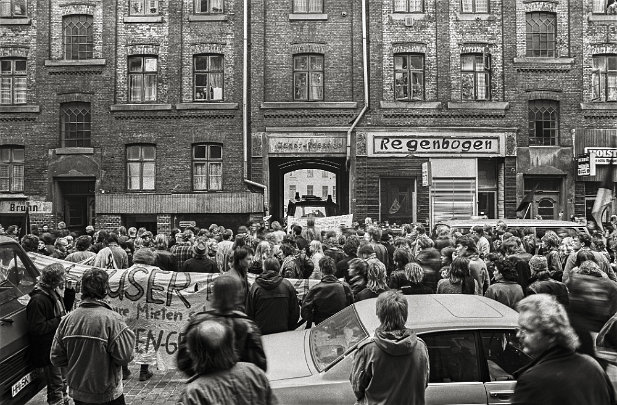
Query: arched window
(546, 208)
(78, 37)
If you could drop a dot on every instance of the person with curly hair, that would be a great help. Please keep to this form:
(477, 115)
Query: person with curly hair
(459, 281)
(375, 281)
(505, 289)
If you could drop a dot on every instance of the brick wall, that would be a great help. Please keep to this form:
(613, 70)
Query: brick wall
(107, 222)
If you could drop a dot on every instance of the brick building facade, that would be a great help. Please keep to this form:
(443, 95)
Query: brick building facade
(132, 111)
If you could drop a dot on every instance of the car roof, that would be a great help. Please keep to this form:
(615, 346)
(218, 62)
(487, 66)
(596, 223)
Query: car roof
(6, 239)
(433, 312)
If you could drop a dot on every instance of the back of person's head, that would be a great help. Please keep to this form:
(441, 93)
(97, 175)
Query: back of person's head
(239, 254)
(414, 272)
(365, 250)
(420, 229)
(310, 221)
(360, 266)
(297, 230)
(121, 230)
(401, 257)
(30, 243)
(327, 265)
(210, 346)
(511, 245)
(271, 264)
(392, 310)
(53, 275)
(144, 255)
(550, 239)
(102, 236)
(430, 258)
(590, 268)
(132, 232)
(276, 225)
(351, 246)
(460, 269)
(585, 239)
(583, 256)
(507, 269)
(424, 242)
(374, 233)
(242, 229)
(227, 234)
(94, 284)
(376, 276)
(225, 292)
(82, 243)
(112, 237)
(287, 249)
(538, 265)
(478, 229)
(161, 242)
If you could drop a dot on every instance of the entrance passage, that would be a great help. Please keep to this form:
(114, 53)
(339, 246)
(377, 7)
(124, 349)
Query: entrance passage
(321, 177)
(76, 198)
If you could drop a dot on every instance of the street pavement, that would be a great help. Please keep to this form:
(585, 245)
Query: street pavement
(163, 388)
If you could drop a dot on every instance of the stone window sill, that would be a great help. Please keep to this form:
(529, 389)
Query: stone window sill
(140, 107)
(308, 105)
(16, 21)
(81, 62)
(207, 106)
(74, 151)
(208, 17)
(475, 17)
(22, 108)
(602, 17)
(529, 63)
(402, 16)
(307, 17)
(478, 105)
(144, 19)
(410, 104)
(600, 106)
(12, 195)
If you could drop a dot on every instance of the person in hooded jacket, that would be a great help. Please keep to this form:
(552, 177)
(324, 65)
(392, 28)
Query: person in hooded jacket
(394, 347)
(272, 300)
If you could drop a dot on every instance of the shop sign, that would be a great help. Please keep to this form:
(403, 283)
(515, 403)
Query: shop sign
(584, 165)
(404, 145)
(186, 224)
(425, 175)
(19, 207)
(602, 156)
(306, 144)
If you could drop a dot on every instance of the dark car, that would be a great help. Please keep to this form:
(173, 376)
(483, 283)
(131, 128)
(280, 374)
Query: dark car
(19, 381)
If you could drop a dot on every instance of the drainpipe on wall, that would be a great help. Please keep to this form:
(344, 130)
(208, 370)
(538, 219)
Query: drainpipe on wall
(366, 104)
(245, 108)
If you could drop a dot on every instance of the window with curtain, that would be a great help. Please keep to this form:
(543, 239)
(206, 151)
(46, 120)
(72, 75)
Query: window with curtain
(408, 6)
(541, 33)
(11, 169)
(543, 122)
(143, 77)
(308, 76)
(408, 77)
(78, 37)
(140, 167)
(208, 77)
(13, 8)
(604, 78)
(208, 6)
(144, 7)
(476, 77)
(474, 6)
(308, 6)
(207, 167)
(76, 125)
(13, 81)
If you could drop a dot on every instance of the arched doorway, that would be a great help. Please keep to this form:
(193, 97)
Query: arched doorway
(281, 166)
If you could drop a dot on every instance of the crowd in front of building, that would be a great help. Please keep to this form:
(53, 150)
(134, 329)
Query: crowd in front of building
(562, 284)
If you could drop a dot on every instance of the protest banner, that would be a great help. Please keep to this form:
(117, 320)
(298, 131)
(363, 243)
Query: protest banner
(155, 303)
(326, 223)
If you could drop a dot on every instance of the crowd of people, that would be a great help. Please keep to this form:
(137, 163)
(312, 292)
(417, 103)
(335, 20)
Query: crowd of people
(575, 271)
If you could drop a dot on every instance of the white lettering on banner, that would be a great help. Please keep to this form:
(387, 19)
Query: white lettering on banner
(156, 304)
(405, 144)
(602, 156)
(333, 222)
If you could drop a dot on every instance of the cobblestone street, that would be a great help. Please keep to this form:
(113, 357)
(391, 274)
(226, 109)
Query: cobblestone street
(163, 388)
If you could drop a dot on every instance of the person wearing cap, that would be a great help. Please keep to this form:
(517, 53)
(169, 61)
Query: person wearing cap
(200, 262)
(544, 283)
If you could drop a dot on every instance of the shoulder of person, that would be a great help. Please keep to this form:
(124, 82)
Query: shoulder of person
(366, 342)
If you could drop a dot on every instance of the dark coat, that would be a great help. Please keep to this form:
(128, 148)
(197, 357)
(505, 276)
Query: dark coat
(342, 267)
(560, 376)
(165, 260)
(199, 265)
(325, 299)
(366, 294)
(273, 304)
(43, 320)
(552, 287)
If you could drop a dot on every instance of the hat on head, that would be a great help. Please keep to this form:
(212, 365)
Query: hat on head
(200, 248)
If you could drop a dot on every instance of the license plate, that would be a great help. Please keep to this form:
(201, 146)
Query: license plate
(21, 384)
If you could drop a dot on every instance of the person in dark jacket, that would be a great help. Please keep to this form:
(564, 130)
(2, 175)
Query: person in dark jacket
(164, 259)
(505, 289)
(301, 243)
(349, 248)
(44, 312)
(375, 281)
(557, 375)
(272, 301)
(543, 283)
(219, 377)
(409, 280)
(327, 297)
(394, 347)
(247, 337)
(200, 263)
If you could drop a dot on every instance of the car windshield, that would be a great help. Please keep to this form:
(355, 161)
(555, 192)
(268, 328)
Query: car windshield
(16, 279)
(332, 338)
(306, 210)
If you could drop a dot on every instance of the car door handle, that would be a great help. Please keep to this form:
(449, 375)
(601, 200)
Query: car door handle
(6, 320)
(504, 394)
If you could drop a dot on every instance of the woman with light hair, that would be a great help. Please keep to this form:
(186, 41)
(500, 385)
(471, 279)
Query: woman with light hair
(414, 273)
(557, 375)
(316, 250)
(375, 281)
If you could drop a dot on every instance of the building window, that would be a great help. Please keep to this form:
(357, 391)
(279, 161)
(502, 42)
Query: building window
(11, 169)
(476, 77)
(78, 37)
(325, 174)
(605, 6)
(474, 6)
(140, 167)
(408, 6)
(604, 78)
(76, 125)
(208, 77)
(324, 191)
(208, 167)
(409, 77)
(309, 173)
(144, 7)
(543, 122)
(309, 189)
(143, 75)
(292, 191)
(308, 6)
(208, 6)
(13, 81)
(540, 35)
(13, 8)
(308, 77)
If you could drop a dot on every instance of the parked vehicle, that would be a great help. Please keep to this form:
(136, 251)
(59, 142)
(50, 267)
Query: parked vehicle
(19, 382)
(539, 226)
(310, 205)
(471, 340)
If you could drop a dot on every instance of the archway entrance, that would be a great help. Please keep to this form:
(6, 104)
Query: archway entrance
(279, 195)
